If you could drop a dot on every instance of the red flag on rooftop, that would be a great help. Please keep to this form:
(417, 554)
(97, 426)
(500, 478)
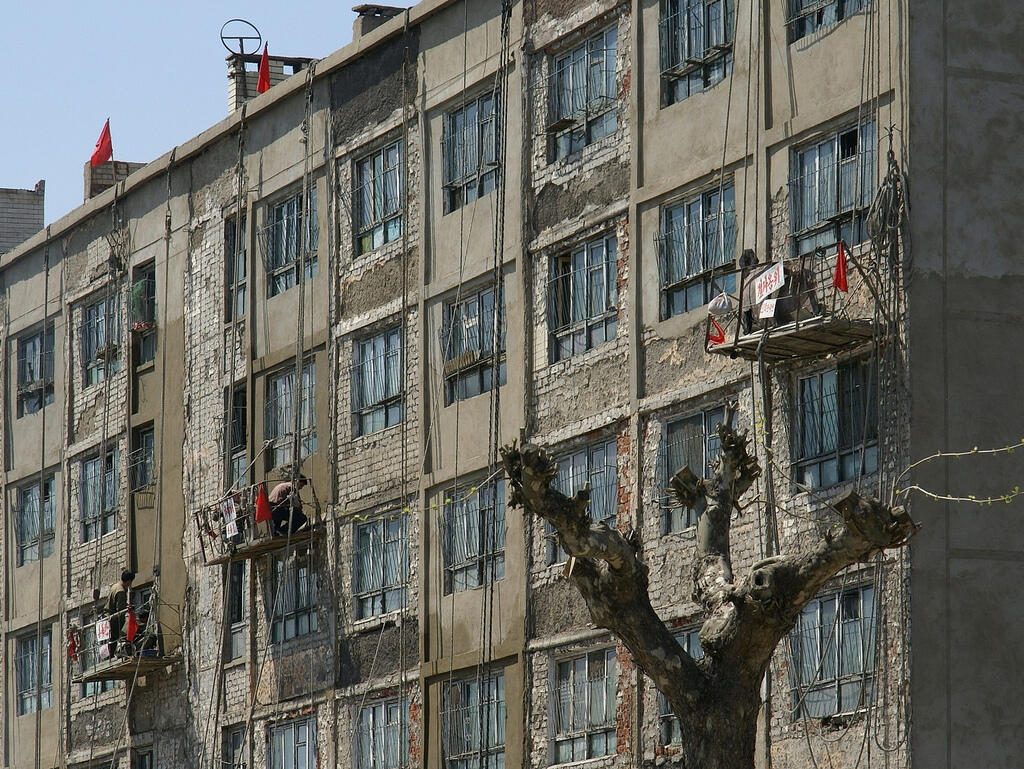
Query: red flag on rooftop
(104, 148)
(263, 81)
(839, 275)
(262, 505)
(131, 627)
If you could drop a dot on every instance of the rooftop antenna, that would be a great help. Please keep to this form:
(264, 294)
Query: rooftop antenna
(237, 35)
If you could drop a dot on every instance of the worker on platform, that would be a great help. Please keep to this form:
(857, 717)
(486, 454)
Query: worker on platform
(117, 606)
(285, 502)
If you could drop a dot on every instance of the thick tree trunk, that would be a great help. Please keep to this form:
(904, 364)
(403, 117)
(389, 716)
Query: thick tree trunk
(716, 699)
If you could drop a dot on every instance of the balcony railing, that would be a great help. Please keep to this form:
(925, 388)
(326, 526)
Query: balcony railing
(123, 645)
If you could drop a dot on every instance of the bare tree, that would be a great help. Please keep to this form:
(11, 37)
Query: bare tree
(717, 698)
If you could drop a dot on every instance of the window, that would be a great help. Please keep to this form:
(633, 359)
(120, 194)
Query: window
(235, 268)
(142, 314)
(236, 610)
(293, 596)
(832, 186)
(142, 758)
(381, 570)
(696, 46)
(582, 296)
(35, 520)
(583, 94)
(833, 654)
(32, 667)
(837, 426)
(378, 198)
(35, 371)
(293, 745)
(99, 495)
(473, 346)
(141, 467)
(469, 149)
(595, 465)
(473, 723)
(474, 536)
(377, 386)
(690, 442)
(382, 736)
(101, 329)
(585, 707)
(234, 747)
(697, 236)
(91, 652)
(667, 721)
(284, 239)
(809, 16)
(279, 415)
(238, 438)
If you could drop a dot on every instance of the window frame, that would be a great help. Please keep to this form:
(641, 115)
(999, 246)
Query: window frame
(686, 287)
(374, 595)
(372, 412)
(678, 518)
(668, 725)
(375, 222)
(89, 650)
(472, 126)
(565, 728)
(568, 334)
(234, 747)
(32, 545)
(41, 387)
(33, 669)
(830, 641)
(465, 748)
(684, 70)
(826, 13)
(142, 314)
(279, 419)
(237, 427)
(236, 268)
(236, 610)
(288, 732)
(101, 322)
(575, 123)
(142, 459)
(478, 512)
(376, 722)
(576, 467)
(288, 604)
(104, 521)
(469, 364)
(284, 236)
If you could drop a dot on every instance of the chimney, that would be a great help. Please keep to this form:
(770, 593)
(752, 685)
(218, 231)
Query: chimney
(369, 17)
(21, 215)
(105, 175)
(243, 74)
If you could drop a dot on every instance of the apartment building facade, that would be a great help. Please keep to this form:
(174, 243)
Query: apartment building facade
(482, 222)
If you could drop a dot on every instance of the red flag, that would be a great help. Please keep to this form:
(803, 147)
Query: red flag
(262, 505)
(839, 276)
(104, 148)
(716, 334)
(131, 627)
(72, 645)
(263, 81)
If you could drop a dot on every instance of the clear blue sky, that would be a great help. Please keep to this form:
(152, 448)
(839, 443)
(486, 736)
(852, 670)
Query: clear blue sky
(156, 68)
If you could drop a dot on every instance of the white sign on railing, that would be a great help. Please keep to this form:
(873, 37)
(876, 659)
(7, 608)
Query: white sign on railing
(767, 309)
(103, 630)
(768, 282)
(227, 507)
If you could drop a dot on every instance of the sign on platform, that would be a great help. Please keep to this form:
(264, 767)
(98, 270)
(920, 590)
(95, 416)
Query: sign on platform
(103, 630)
(769, 281)
(767, 309)
(227, 507)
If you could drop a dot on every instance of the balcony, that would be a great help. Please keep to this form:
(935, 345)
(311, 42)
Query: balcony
(792, 311)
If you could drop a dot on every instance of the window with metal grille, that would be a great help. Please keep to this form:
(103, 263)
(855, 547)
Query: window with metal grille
(142, 314)
(284, 239)
(238, 437)
(831, 188)
(833, 654)
(378, 197)
(279, 415)
(698, 235)
(292, 596)
(293, 745)
(381, 570)
(469, 148)
(98, 495)
(473, 530)
(35, 371)
(583, 103)
(35, 520)
(473, 723)
(378, 386)
(236, 610)
(141, 466)
(690, 442)
(235, 268)
(595, 465)
(585, 706)
(582, 298)
(91, 652)
(668, 724)
(382, 735)
(33, 672)
(809, 16)
(695, 42)
(837, 425)
(100, 333)
(473, 345)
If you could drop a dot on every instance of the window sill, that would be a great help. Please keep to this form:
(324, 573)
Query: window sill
(367, 437)
(393, 618)
(142, 368)
(235, 664)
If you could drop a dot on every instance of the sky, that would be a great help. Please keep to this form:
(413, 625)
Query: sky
(156, 68)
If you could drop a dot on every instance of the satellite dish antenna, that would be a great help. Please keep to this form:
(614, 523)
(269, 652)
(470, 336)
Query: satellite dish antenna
(238, 34)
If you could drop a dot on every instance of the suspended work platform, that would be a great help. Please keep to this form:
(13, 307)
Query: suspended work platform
(117, 648)
(791, 310)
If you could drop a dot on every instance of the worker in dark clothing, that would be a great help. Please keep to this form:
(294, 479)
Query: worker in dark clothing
(284, 501)
(116, 607)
